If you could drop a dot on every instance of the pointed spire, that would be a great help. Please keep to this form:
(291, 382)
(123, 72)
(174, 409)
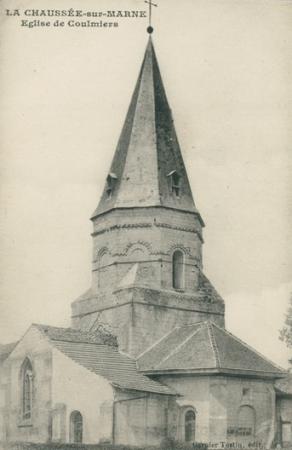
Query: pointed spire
(147, 168)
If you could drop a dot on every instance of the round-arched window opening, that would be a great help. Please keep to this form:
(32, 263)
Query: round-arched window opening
(190, 426)
(178, 270)
(246, 422)
(76, 427)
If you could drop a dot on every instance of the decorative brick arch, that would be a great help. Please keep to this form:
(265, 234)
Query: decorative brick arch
(182, 248)
(103, 257)
(143, 245)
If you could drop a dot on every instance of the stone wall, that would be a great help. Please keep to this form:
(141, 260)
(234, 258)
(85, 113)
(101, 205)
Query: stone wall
(75, 388)
(195, 392)
(132, 276)
(141, 316)
(60, 386)
(15, 427)
(284, 420)
(142, 418)
(258, 395)
(217, 401)
(123, 237)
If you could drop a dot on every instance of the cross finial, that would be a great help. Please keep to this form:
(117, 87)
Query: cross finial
(150, 3)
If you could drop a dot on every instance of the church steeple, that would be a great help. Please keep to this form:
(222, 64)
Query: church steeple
(147, 168)
(147, 233)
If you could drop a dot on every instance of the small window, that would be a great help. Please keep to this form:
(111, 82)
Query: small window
(245, 392)
(177, 270)
(27, 389)
(110, 184)
(175, 183)
(190, 426)
(76, 427)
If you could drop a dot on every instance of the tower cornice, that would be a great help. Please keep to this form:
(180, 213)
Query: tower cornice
(183, 211)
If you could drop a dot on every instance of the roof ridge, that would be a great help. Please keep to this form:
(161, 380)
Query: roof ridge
(88, 337)
(137, 86)
(155, 343)
(249, 347)
(180, 345)
(213, 344)
(42, 325)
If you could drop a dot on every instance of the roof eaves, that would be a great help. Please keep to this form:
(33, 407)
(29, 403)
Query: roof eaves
(210, 371)
(164, 390)
(153, 391)
(280, 369)
(281, 393)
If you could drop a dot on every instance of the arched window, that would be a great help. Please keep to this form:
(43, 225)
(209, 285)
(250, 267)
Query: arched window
(246, 421)
(177, 269)
(190, 426)
(27, 389)
(76, 427)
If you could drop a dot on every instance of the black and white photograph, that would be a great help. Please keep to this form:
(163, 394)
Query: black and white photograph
(146, 224)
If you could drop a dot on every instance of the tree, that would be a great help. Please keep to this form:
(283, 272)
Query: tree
(286, 332)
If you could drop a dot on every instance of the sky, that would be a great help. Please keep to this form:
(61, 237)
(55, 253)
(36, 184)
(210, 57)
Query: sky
(226, 67)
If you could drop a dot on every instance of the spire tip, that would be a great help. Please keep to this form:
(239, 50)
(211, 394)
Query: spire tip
(150, 29)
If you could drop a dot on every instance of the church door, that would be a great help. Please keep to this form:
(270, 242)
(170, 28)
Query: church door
(76, 427)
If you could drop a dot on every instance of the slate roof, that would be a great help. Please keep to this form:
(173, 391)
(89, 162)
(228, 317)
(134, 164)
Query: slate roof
(207, 291)
(284, 386)
(90, 351)
(73, 335)
(205, 347)
(148, 141)
(5, 350)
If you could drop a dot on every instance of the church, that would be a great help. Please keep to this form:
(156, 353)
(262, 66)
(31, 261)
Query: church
(147, 357)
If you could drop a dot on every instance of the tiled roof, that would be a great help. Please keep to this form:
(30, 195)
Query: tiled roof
(5, 350)
(284, 386)
(88, 350)
(207, 290)
(205, 347)
(71, 335)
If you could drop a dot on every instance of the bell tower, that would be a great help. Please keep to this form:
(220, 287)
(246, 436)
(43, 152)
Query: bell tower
(147, 232)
